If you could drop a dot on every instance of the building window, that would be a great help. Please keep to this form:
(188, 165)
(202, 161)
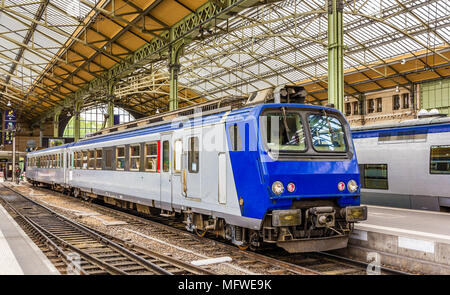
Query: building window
(348, 109)
(91, 163)
(135, 157)
(120, 158)
(166, 156)
(370, 106)
(379, 104)
(355, 107)
(193, 155)
(92, 119)
(396, 102)
(440, 159)
(405, 99)
(151, 154)
(374, 176)
(177, 152)
(98, 159)
(109, 159)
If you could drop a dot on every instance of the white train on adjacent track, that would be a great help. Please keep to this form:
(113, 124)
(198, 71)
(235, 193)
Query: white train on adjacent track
(406, 164)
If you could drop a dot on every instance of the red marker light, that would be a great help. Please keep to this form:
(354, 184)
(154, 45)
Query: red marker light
(291, 187)
(341, 186)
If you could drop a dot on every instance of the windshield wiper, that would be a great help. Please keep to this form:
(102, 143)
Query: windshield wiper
(328, 122)
(286, 127)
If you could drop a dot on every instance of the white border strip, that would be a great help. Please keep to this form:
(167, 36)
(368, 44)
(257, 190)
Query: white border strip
(404, 231)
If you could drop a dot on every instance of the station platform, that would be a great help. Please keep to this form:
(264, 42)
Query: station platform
(414, 240)
(18, 253)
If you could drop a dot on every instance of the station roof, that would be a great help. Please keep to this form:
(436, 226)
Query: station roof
(52, 51)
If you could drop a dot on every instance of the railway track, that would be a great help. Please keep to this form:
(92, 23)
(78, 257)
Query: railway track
(83, 250)
(271, 261)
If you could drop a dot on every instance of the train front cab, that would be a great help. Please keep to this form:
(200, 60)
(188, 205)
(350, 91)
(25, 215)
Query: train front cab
(308, 174)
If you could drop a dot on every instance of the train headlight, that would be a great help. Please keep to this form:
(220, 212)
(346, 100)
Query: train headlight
(277, 188)
(291, 187)
(352, 186)
(341, 186)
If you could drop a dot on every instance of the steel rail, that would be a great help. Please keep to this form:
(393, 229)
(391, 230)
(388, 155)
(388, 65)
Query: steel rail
(92, 234)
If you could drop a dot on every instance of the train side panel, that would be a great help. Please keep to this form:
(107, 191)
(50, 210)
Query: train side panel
(410, 183)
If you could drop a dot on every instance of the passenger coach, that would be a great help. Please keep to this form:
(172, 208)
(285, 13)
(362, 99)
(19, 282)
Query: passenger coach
(284, 174)
(405, 165)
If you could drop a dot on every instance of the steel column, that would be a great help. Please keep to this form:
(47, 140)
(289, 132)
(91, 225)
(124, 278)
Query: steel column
(76, 120)
(56, 123)
(110, 110)
(174, 69)
(336, 54)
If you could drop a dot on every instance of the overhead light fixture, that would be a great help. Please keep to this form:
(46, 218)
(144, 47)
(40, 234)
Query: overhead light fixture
(397, 89)
(403, 61)
(9, 103)
(157, 111)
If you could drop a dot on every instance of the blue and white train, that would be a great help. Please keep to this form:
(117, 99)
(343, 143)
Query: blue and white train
(284, 174)
(405, 165)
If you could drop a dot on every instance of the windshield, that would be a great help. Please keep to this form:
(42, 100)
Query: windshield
(283, 131)
(327, 133)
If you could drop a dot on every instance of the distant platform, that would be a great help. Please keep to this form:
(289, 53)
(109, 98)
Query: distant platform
(18, 253)
(414, 240)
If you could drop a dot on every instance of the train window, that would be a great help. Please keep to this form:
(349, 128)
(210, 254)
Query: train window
(120, 158)
(85, 159)
(283, 131)
(135, 157)
(235, 138)
(177, 152)
(79, 160)
(374, 176)
(70, 164)
(327, 133)
(166, 159)
(440, 159)
(108, 159)
(193, 155)
(91, 163)
(151, 154)
(98, 159)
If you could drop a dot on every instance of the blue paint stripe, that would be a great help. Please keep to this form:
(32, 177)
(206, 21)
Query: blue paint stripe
(421, 129)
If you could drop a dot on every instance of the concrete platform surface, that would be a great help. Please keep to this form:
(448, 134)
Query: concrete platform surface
(18, 253)
(412, 240)
(428, 225)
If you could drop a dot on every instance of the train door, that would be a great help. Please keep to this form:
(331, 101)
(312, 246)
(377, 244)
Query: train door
(190, 176)
(68, 175)
(166, 172)
(64, 166)
(177, 167)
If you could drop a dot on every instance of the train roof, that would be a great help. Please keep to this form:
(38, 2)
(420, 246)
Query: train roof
(208, 117)
(405, 123)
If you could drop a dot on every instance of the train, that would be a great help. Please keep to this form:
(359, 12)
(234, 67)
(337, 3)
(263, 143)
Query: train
(268, 174)
(406, 164)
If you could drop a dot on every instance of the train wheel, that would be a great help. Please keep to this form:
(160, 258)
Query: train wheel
(200, 233)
